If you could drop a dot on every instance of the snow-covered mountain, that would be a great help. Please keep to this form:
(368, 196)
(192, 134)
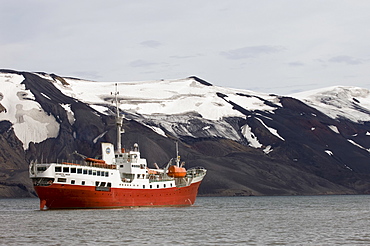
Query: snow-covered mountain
(316, 142)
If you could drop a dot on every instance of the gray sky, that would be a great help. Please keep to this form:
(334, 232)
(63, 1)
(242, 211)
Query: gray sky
(273, 46)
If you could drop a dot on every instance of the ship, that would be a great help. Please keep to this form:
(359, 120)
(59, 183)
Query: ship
(119, 179)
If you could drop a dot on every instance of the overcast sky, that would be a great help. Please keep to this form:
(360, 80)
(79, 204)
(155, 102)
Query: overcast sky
(273, 46)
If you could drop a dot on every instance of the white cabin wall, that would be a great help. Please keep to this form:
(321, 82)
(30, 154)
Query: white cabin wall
(108, 153)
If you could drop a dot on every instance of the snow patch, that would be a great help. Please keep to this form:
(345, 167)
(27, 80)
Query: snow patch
(30, 122)
(338, 101)
(95, 140)
(206, 128)
(251, 138)
(173, 96)
(334, 128)
(190, 124)
(46, 96)
(100, 109)
(357, 145)
(268, 149)
(329, 152)
(271, 130)
(158, 130)
(348, 167)
(70, 113)
(35, 129)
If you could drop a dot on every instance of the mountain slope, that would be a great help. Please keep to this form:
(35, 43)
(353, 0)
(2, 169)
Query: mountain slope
(251, 143)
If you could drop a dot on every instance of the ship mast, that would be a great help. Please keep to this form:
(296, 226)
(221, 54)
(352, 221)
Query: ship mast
(118, 122)
(177, 154)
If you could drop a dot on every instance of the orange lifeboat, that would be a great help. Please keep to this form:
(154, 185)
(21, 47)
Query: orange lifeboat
(176, 172)
(95, 160)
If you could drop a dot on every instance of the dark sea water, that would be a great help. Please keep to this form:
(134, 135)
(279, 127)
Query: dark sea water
(309, 220)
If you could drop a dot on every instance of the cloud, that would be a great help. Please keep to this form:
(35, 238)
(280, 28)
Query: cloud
(151, 43)
(184, 57)
(251, 52)
(141, 63)
(347, 60)
(296, 64)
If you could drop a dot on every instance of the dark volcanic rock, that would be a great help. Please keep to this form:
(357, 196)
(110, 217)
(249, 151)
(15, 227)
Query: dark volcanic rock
(14, 180)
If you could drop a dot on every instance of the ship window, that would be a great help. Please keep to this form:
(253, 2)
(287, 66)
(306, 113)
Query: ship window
(138, 176)
(164, 186)
(62, 180)
(83, 182)
(143, 186)
(73, 170)
(121, 166)
(98, 173)
(171, 184)
(41, 169)
(96, 183)
(102, 184)
(150, 186)
(73, 182)
(58, 169)
(109, 185)
(79, 170)
(85, 171)
(94, 172)
(157, 186)
(90, 172)
(65, 169)
(106, 174)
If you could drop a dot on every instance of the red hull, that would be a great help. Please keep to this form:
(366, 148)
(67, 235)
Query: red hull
(57, 196)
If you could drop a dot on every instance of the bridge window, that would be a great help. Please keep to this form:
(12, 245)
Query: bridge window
(85, 171)
(65, 169)
(79, 170)
(41, 169)
(73, 170)
(90, 172)
(58, 169)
